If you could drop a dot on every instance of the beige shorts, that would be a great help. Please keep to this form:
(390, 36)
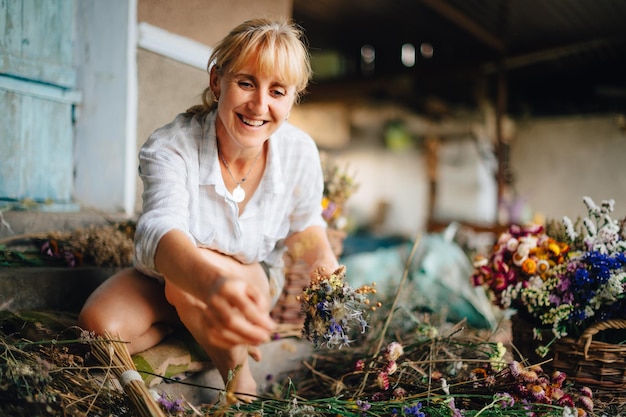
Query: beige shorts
(276, 278)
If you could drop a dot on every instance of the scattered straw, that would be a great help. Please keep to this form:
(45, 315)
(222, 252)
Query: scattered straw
(51, 378)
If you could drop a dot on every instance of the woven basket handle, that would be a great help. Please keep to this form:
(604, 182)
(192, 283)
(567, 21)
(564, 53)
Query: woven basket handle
(597, 327)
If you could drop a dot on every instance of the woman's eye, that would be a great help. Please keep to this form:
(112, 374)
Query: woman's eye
(279, 93)
(245, 84)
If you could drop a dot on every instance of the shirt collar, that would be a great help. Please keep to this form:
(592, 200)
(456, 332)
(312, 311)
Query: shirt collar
(209, 172)
(273, 181)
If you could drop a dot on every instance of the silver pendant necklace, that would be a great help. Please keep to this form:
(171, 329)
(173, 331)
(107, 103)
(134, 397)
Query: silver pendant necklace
(239, 194)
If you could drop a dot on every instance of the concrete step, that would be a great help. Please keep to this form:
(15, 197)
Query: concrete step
(280, 359)
(24, 222)
(47, 288)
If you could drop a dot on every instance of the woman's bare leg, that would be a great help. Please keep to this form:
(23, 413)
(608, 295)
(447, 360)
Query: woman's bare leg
(136, 307)
(131, 305)
(190, 312)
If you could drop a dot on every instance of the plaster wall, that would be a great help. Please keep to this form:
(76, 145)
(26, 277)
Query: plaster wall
(392, 198)
(557, 161)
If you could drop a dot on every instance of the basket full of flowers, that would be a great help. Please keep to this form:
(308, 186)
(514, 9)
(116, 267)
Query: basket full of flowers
(567, 283)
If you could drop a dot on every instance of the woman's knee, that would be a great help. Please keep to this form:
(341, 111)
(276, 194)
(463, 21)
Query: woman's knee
(98, 319)
(126, 303)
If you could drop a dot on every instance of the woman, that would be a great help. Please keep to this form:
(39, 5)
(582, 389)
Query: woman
(228, 187)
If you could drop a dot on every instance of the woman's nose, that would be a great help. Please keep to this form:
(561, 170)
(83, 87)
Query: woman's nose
(259, 102)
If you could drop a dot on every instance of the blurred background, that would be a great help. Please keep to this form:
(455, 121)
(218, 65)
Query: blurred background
(480, 112)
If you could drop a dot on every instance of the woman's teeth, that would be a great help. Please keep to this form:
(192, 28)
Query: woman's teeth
(250, 122)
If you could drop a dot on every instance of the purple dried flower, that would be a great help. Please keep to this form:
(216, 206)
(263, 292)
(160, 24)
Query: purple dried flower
(170, 405)
(363, 405)
(414, 410)
(505, 399)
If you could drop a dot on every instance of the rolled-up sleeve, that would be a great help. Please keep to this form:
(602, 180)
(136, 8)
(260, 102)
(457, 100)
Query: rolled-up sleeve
(165, 167)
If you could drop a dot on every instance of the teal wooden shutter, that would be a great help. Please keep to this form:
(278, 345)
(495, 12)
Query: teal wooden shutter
(37, 99)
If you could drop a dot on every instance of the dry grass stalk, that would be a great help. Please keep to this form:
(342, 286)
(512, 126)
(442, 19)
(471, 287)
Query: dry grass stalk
(45, 378)
(113, 353)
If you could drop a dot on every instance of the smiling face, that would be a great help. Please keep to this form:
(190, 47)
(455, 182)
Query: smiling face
(252, 105)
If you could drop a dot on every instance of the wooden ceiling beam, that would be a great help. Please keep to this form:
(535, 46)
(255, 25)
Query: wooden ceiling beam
(520, 61)
(466, 23)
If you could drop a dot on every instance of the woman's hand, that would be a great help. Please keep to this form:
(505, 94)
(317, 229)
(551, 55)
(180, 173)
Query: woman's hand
(234, 312)
(217, 298)
(238, 310)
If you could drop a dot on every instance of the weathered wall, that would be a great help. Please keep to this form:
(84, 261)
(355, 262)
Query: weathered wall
(557, 161)
(393, 193)
(392, 197)
(167, 87)
(206, 21)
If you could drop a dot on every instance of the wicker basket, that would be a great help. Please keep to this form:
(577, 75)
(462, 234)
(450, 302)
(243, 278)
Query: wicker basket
(600, 366)
(297, 278)
(525, 343)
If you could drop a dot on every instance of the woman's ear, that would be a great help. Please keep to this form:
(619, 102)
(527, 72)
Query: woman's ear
(214, 82)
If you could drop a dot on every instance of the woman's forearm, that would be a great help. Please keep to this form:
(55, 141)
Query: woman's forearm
(312, 246)
(186, 266)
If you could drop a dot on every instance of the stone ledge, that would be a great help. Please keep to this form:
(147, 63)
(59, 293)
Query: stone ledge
(18, 222)
(49, 288)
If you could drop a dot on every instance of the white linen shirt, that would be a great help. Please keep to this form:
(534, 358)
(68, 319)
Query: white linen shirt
(184, 190)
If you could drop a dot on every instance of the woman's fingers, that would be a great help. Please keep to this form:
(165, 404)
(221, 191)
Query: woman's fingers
(245, 298)
(219, 317)
(255, 353)
(224, 338)
(233, 312)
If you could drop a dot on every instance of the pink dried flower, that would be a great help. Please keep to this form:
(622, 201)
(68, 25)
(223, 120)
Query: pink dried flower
(558, 378)
(586, 391)
(378, 396)
(528, 376)
(394, 351)
(516, 369)
(383, 380)
(557, 394)
(585, 402)
(359, 365)
(399, 393)
(522, 390)
(566, 401)
(391, 367)
(538, 393)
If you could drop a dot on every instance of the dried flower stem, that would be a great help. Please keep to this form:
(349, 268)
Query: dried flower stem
(405, 274)
(383, 332)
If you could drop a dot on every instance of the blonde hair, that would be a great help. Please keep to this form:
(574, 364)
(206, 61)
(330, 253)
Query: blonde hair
(276, 43)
